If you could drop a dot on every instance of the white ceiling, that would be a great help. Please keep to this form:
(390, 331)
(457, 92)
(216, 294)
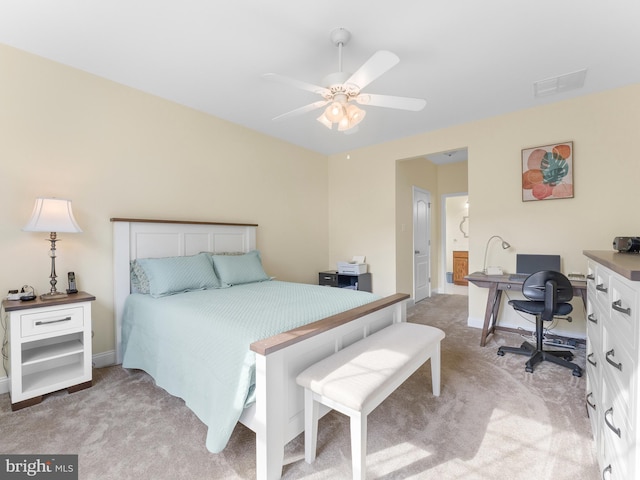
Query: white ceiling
(469, 59)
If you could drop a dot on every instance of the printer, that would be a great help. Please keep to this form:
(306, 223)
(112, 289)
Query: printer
(356, 266)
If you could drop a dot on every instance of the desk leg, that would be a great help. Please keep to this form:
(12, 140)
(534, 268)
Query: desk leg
(583, 295)
(491, 313)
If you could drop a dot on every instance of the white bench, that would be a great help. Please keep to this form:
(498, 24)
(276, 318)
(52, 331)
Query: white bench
(356, 379)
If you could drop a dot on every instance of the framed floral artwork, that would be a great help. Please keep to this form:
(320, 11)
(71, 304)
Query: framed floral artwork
(547, 172)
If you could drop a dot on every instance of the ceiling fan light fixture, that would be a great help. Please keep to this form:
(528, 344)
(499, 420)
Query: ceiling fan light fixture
(344, 124)
(335, 112)
(355, 114)
(340, 89)
(325, 121)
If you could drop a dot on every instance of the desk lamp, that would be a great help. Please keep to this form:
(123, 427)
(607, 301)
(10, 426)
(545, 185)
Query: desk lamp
(52, 215)
(505, 245)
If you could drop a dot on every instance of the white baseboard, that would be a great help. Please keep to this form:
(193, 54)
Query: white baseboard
(478, 322)
(99, 360)
(475, 322)
(104, 359)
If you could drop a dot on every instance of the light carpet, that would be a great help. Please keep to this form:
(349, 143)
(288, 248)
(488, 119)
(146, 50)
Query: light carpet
(492, 420)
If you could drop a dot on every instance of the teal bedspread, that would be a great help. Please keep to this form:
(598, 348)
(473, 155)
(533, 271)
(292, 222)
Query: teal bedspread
(196, 345)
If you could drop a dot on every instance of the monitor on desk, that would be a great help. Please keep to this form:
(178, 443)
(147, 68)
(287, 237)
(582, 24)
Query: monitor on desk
(527, 264)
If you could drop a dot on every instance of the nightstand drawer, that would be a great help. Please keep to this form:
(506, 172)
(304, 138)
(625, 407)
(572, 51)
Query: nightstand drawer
(328, 278)
(51, 321)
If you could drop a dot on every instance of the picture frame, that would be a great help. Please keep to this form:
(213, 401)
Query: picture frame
(547, 172)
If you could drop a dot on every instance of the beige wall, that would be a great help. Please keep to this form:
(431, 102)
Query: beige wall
(603, 128)
(117, 152)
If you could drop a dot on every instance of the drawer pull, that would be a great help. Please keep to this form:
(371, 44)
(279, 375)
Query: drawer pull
(616, 306)
(592, 405)
(610, 425)
(591, 276)
(613, 354)
(49, 322)
(592, 318)
(606, 470)
(601, 288)
(595, 364)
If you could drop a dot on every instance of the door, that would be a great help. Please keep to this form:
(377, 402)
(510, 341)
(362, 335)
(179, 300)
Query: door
(421, 244)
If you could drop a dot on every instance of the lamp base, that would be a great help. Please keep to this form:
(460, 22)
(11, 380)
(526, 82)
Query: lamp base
(53, 296)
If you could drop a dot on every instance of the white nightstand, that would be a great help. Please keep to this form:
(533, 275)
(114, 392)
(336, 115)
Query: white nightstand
(50, 343)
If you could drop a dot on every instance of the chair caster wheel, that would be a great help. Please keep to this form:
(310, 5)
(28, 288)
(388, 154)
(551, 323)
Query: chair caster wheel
(577, 373)
(501, 353)
(528, 369)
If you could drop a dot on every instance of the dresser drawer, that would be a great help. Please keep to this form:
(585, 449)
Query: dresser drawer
(613, 466)
(624, 311)
(600, 285)
(594, 401)
(618, 372)
(595, 318)
(51, 321)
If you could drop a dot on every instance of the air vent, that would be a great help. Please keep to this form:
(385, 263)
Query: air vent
(562, 83)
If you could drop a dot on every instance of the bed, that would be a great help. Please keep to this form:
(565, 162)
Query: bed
(272, 403)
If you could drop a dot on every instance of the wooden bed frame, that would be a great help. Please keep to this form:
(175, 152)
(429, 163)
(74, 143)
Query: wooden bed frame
(277, 416)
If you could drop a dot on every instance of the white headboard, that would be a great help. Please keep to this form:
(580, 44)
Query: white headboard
(136, 238)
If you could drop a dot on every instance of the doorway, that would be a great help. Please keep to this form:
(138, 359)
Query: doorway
(454, 241)
(421, 244)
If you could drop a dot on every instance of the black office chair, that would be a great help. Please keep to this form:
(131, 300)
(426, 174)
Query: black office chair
(548, 293)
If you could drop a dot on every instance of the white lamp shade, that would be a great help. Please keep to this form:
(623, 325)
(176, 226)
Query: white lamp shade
(52, 215)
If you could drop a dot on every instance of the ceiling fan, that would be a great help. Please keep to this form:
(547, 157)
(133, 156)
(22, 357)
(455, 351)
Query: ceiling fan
(341, 91)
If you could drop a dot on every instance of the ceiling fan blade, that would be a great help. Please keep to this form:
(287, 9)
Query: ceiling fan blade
(301, 110)
(296, 83)
(389, 101)
(379, 63)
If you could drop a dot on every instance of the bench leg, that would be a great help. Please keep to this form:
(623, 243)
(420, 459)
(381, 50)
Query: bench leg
(310, 426)
(435, 371)
(359, 445)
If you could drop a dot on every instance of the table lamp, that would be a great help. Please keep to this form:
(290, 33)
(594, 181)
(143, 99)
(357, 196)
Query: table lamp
(52, 215)
(505, 245)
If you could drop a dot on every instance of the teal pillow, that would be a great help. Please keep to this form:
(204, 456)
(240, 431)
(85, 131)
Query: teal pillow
(239, 269)
(170, 275)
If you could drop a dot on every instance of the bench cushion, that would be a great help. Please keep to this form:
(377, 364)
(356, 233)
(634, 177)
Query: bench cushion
(355, 373)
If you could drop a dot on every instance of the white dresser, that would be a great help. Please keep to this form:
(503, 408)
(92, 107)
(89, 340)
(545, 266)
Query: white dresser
(613, 358)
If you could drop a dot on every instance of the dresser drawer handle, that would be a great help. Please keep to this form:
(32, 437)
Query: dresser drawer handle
(49, 322)
(595, 364)
(592, 405)
(591, 276)
(616, 306)
(613, 354)
(606, 470)
(600, 287)
(592, 318)
(609, 424)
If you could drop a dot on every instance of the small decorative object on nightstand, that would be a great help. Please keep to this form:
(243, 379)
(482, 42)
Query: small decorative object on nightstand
(50, 343)
(332, 278)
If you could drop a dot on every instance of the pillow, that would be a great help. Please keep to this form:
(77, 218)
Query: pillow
(171, 275)
(139, 280)
(239, 269)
